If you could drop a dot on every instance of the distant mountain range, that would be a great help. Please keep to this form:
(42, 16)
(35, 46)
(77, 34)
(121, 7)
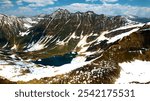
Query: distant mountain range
(81, 47)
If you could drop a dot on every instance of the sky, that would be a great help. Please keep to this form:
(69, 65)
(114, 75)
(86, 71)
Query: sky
(109, 7)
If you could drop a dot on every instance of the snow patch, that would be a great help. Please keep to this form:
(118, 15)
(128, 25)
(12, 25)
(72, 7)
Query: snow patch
(37, 47)
(29, 20)
(78, 59)
(27, 25)
(2, 62)
(24, 33)
(13, 56)
(102, 36)
(89, 53)
(73, 36)
(61, 43)
(14, 47)
(134, 71)
(148, 23)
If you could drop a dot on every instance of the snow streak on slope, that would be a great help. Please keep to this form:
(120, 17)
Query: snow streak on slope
(28, 24)
(122, 35)
(134, 71)
(83, 44)
(14, 47)
(26, 32)
(128, 26)
(39, 45)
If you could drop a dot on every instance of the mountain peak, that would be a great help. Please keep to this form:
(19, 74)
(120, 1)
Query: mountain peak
(131, 16)
(65, 11)
(2, 15)
(60, 13)
(90, 12)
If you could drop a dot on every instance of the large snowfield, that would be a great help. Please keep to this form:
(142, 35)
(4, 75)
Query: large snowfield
(15, 72)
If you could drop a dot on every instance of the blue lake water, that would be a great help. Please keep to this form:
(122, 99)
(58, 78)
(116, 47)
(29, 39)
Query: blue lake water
(57, 60)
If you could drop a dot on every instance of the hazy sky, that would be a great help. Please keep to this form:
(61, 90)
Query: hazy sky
(109, 7)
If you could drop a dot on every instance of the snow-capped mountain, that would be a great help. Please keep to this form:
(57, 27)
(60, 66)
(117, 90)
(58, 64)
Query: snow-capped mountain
(138, 19)
(81, 47)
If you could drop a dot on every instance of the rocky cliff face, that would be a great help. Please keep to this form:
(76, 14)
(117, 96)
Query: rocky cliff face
(9, 29)
(12, 30)
(100, 44)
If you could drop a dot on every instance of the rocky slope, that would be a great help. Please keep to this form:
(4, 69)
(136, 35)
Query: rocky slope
(94, 46)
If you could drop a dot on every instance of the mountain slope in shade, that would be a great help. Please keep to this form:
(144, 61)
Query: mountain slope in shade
(98, 47)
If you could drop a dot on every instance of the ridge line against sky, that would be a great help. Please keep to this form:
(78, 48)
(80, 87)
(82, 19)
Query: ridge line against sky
(109, 7)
